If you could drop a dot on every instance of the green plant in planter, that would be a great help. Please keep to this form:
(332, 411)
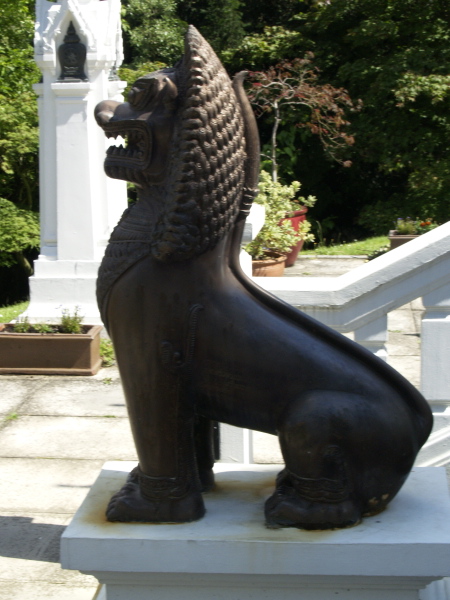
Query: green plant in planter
(71, 323)
(107, 353)
(42, 328)
(22, 325)
(278, 236)
(409, 226)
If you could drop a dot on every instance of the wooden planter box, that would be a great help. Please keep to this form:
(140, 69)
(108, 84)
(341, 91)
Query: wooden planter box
(397, 240)
(51, 353)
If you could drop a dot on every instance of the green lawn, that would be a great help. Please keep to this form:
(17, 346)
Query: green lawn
(362, 247)
(8, 313)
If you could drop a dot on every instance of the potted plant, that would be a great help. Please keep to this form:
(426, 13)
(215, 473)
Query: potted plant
(278, 236)
(296, 218)
(67, 348)
(408, 229)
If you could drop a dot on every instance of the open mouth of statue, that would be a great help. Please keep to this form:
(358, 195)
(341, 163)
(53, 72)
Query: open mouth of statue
(128, 160)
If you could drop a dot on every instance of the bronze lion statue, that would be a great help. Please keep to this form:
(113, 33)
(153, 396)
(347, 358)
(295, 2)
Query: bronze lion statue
(197, 341)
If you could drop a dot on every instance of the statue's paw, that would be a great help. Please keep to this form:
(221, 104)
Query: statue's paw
(287, 508)
(128, 505)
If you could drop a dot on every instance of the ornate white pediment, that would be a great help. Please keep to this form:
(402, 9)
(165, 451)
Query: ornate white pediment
(97, 23)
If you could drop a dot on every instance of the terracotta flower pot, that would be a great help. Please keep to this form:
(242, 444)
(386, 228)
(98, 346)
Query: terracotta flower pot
(397, 239)
(298, 217)
(272, 266)
(51, 353)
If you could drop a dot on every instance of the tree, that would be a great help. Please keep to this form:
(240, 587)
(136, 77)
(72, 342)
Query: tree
(152, 31)
(321, 109)
(18, 105)
(219, 21)
(19, 233)
(394, 55)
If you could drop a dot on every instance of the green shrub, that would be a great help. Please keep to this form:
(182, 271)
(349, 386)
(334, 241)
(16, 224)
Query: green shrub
(107, 353)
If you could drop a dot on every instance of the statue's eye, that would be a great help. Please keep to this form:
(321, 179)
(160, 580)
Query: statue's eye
(143, 92)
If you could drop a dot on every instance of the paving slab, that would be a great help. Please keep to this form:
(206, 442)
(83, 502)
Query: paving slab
(44, 590)
(68, 437)
(46, 485)
(32, 536)
(408, 366)
(266, 449)
(402, 319)
(14, 392)
(29, 571)
(324, 266)
(77, 398)
(403, 344)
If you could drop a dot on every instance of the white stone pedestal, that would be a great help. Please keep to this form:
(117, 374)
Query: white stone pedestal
(230, 555)
(79, 204)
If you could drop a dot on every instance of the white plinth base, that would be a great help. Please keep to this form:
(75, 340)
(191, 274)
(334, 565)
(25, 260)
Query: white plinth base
(230, 555)
(58, 284)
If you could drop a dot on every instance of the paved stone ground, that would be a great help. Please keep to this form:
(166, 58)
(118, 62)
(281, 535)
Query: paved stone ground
(55, 434)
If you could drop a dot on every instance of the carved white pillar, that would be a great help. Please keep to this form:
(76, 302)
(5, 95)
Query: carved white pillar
(373, 336)
(79, 205)
(435, 346)
(253, 225)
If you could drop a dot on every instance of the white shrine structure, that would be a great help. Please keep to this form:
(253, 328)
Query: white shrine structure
(79, 204)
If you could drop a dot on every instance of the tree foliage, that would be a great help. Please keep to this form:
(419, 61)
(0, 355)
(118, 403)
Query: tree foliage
(220, 21)
(394, 55)
(391, 54)
(18, 105)
(19, 232)
(319, 108)
(152, 31)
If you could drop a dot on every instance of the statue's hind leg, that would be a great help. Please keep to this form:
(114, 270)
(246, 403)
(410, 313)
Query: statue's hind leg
(334, 453)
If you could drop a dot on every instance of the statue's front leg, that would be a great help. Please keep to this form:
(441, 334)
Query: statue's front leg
(205, 451)
(158, 499)
(165, 487)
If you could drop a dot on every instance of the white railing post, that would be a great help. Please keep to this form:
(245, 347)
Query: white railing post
(373, 336)
(236, 444)
(435, 346)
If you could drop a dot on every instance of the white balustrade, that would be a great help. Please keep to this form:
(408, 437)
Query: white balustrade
(360, 301)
